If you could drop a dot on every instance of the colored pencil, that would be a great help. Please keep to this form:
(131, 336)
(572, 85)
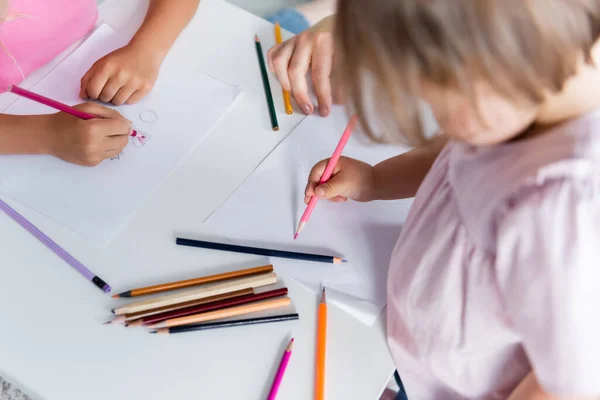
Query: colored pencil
(195, 282)
(281, 371)
(286, 95)
(53, 104)
(54, 247)
(266, 85)
(321, 349)
(124, 318)
(227, 324)
(212, 289)
(259, 251)
(327, 173)
(217, 305)
(224, 313)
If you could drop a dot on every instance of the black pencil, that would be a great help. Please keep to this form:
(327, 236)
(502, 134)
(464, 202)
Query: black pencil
(265, 79)
(227, 324)
(259, 251)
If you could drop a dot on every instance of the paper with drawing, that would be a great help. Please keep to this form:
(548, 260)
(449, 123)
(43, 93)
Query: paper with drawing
(96, 202)
(265, 211)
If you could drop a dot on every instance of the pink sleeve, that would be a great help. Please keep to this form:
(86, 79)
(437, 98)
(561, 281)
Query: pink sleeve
(548, 270)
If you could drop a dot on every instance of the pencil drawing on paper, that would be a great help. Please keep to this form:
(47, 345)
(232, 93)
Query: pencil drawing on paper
(117, 157)
(140, 138)
(148, 116)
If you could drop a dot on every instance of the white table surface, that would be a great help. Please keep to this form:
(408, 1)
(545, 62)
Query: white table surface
(52, 343)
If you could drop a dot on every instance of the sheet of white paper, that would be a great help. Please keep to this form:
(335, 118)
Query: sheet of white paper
(265, 210)
(96, 202)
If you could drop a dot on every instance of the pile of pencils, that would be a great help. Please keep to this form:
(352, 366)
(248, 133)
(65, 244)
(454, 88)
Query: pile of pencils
(210, 304)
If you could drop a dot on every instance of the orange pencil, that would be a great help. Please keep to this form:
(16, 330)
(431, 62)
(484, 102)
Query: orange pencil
(286, 95)
(321, 349)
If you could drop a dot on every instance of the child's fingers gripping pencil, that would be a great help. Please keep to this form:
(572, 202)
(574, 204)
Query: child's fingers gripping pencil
(286, 95)
(328, 172)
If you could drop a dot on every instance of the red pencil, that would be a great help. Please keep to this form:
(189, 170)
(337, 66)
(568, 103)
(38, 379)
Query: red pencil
(328, 172)
(217, 305)
(54, 104)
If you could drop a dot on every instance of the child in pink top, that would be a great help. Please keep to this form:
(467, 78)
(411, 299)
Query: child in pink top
(33, 32)
(493, 284)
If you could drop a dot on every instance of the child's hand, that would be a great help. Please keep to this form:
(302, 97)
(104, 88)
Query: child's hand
(351, 179)
(86, 142)
(124, 76)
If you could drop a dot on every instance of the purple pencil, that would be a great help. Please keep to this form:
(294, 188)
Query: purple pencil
(59, 251)
(281, 371)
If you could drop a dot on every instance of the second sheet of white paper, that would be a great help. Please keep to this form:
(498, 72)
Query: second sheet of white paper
(96, 202)
(265, 211)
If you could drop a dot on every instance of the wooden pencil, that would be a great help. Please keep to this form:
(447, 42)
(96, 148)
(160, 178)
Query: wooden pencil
(195, 282)
(287, 102)
(125, 318)
(211, 289)
(321, 349)
(260, 251)
(266, 85)
(227, 324)
(225, 313)
(218, 305)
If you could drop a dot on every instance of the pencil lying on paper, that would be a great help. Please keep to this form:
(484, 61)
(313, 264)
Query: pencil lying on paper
(281, 371)
(202, 292)
(327, 173)
(286, 95)
(259, 251)
(124, 318)
(321, 349)
(218, 305)
(195, 282)
(227, 324)
(54, 104)
(50, 244)
(224, 313)
(266, 85)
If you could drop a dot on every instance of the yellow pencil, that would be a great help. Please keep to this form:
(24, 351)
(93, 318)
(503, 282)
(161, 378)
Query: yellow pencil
(286, 95)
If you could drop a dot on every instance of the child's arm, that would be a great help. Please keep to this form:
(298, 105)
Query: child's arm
(72, 139)
(529, 389)
(396, 178)
(129, 73)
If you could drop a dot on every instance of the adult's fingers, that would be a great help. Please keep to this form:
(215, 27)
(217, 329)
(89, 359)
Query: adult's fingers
(299, 65)
(281, 62)
(322, 60)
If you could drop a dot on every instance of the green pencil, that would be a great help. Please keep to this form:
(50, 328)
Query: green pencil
(265, 79)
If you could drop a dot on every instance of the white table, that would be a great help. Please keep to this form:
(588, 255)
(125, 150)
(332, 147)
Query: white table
(51, 360)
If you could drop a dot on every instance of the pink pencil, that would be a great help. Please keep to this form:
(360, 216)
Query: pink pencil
(328, 171)
(281, 371)
(54, 104)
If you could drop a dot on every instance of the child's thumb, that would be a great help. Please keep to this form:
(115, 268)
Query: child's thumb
(330, 189)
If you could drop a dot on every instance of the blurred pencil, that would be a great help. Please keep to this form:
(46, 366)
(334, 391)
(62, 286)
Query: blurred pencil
(218, 305)
(195, 282)
(121, 319)
(211, 289)
(286, 95)
(225, 313)
(227, 324)
(266, 85)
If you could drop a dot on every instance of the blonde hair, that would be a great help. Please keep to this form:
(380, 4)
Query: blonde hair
(522, 48)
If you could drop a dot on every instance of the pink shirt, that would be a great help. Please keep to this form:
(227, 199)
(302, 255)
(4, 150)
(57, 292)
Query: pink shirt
(35, 31)
(497, 269)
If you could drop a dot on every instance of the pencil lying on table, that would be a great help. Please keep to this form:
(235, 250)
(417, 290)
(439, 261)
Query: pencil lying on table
(260, 251)
(286, 95)
(228, 324)
(212, 289)
(195, 282)
(266, 85)
(225, 313)
(124, 318)
(218, 305)
(321, 349)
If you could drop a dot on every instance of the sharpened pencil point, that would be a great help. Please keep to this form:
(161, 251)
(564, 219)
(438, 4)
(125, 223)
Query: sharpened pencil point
(344, 261)
(107, 323)
(256, 39)
(115, 296)
(152, 332)
(295, 236)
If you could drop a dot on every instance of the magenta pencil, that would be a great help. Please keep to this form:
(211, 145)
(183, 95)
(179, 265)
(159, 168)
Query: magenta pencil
(328, 172)
(281, 371)
(53, 104)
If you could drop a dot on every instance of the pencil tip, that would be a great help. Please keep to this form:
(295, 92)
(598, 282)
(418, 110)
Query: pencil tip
(107, 323)
(344, 261)
(275, 128)
(296, 236)
(256, 39)
(152, 332)
(115, 296)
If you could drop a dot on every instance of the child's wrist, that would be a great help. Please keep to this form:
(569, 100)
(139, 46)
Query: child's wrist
(145, 45)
